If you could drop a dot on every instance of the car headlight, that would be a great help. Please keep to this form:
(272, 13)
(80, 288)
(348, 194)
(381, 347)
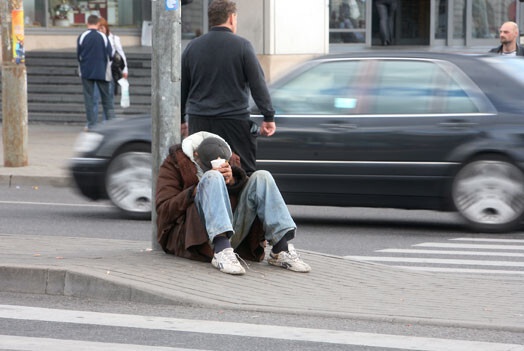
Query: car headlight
(87, 141)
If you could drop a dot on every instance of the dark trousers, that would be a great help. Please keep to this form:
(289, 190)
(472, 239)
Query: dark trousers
(386, 13)
(236, 132)
(107, 102)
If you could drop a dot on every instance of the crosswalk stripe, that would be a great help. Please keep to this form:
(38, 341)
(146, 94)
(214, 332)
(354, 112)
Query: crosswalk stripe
(472, 246)
(457, 252)
(459, 270)
(250, 330)
(489, 240)
(22, 343)
(436, 261)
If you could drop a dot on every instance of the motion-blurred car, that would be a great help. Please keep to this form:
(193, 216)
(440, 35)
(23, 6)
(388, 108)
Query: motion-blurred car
(413, 131)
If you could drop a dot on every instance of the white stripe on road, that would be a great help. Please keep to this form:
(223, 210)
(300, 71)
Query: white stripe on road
(457, 252)
(514, 241)
(250, 330)
(21, 343)
(472, 246)
(436, 261)
(460, 270)
(50, 204)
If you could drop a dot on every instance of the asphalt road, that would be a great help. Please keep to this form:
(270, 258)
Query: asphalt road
(345, 232)
(23, 317)
(425, 240)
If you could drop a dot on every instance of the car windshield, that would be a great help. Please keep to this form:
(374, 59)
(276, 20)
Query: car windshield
(512, 66)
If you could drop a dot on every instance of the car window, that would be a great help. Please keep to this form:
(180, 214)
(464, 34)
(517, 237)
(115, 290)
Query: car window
(416, 87)
(327, 88)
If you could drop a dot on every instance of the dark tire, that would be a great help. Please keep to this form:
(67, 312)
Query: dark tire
(128, 180)
(489, 193)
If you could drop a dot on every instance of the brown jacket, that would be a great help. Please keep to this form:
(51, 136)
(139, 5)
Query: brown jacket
(180, 230)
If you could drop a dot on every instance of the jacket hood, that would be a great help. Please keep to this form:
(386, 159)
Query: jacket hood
(191, 144)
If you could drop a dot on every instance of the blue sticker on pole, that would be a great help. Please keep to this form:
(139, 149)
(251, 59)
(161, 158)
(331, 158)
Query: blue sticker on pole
(171, 5)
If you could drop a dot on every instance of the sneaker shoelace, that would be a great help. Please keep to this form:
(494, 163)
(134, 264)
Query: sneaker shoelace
(293, 255)
(231, 256)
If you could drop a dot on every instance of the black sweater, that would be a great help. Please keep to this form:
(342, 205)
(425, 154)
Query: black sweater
(218, 71)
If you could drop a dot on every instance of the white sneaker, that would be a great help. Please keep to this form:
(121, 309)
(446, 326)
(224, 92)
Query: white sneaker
(288, 259)
(226, 261)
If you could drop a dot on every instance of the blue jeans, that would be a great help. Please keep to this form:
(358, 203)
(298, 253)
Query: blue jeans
(107, 103)
(96, 97)
(260, 197)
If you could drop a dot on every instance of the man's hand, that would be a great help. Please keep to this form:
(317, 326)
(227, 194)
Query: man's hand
(268, 128)
(227, 173)
(124, 75)
(183, 130)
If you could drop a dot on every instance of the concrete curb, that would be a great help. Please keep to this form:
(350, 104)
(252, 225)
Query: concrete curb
(77, 283)
(16, 180)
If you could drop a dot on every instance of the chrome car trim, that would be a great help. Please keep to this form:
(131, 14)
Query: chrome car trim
(473, 114)
(88, 159)
(360, 162)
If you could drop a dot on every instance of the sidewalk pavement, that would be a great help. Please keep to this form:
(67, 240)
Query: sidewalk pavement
(130, 271)
(49, 148)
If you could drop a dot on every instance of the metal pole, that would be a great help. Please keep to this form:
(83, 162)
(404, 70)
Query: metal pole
(14, 84)
(165, 87)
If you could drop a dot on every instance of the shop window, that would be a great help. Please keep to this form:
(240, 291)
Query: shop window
(441, 27)
(347, 21)
(34, 13)
(489, 15)
(192, 18)
(459, 19)
(74, 13)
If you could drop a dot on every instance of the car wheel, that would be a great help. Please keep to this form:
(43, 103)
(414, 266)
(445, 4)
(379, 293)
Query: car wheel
(128, 180)
(489, 194)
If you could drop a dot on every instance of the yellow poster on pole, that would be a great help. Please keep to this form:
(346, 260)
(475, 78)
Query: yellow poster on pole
(18, 36)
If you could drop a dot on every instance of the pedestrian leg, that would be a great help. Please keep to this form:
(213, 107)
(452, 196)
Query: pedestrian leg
(88, 87)
(261, 197)
(213, 205)
(107, 102)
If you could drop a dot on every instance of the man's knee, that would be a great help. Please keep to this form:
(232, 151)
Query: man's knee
(262, 175)
(212, 176)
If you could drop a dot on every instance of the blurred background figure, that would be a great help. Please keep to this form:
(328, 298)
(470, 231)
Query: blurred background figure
(118, 65)
(386, 12)
(509, 32)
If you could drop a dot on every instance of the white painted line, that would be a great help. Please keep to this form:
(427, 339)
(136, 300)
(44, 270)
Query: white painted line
(250, 330)
(51, 204)
(436, 261)
(457, 252)
(472, 246)
(22, 343)
(514, 241)
(460, 270)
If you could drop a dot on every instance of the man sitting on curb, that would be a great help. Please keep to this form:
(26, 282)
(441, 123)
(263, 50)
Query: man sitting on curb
(206, 213)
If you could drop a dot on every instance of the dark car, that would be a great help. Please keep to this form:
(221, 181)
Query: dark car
(402, 130)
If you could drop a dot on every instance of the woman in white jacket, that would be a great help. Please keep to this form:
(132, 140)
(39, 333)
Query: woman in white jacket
(103, 27)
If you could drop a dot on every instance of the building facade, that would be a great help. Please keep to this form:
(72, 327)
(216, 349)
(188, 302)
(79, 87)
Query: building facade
(453, 23)
(285, 32)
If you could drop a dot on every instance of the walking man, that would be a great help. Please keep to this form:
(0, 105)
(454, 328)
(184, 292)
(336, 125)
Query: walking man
(212, 212)
(219, 69)
(93, 53)
(509, 33)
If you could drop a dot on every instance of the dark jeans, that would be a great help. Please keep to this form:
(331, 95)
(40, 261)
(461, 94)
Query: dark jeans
(386, 13)
(107, 103)
(236, 132)
(96, 98)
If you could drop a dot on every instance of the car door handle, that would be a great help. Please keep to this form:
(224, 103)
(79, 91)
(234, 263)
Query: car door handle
(457, 124)
(339, 126)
